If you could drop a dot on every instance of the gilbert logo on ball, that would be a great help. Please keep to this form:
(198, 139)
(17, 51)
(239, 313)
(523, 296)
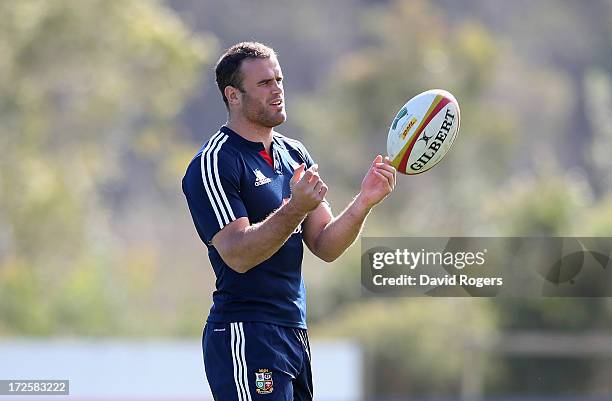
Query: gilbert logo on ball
(423, 131)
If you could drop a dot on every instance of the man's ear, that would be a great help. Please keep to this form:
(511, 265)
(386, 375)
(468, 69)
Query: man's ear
(233, 95)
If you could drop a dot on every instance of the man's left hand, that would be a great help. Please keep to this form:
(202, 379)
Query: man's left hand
(378, 182)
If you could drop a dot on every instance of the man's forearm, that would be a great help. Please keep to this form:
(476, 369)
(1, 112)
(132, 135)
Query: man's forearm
(260, 241)
(342, 231)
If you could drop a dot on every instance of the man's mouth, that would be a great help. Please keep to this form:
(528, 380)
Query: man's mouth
(277, 102)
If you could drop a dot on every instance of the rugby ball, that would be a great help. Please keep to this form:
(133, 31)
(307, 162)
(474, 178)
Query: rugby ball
(423, 131)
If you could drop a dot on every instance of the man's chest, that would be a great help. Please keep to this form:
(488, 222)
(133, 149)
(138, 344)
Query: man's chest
(263, 186)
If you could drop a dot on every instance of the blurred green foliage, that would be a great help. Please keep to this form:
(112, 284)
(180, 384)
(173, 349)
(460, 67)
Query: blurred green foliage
(410, 340)
(90, 96)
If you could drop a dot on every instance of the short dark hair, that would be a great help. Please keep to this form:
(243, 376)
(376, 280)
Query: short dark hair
(227, 69)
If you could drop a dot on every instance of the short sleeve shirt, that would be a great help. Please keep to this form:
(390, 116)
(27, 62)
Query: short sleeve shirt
(229, 178)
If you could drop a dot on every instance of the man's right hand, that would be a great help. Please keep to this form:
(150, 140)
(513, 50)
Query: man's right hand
(307, 189)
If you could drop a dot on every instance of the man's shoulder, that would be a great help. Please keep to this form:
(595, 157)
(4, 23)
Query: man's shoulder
(291, 142)
(216, 150)
(219, 143)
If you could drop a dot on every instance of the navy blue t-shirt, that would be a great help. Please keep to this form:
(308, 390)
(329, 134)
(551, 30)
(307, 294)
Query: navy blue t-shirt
(232, 177)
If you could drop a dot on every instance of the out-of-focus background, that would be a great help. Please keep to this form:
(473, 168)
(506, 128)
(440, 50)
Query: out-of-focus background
(103, 103)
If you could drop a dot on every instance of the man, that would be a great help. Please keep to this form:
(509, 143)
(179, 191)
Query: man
(254, 196)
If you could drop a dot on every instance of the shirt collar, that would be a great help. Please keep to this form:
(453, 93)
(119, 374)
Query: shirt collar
(240, 140)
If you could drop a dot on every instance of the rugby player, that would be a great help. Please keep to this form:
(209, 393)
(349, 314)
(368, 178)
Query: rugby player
(255, 197)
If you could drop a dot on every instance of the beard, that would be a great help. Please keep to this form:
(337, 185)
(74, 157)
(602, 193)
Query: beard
(260, 113)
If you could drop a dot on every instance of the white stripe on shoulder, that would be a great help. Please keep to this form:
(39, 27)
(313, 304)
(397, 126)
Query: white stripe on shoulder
(211, 143)
(218, 180)
(213, 185)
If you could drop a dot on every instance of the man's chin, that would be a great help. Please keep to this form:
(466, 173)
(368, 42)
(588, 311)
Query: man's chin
(276, 120)
(269, 120)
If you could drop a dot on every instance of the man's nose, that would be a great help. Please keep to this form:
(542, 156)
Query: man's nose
(277, 87)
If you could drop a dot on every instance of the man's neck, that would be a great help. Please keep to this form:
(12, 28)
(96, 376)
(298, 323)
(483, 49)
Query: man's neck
(251, 132)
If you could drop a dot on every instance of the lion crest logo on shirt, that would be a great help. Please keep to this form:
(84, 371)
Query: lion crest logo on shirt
(263, 381)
